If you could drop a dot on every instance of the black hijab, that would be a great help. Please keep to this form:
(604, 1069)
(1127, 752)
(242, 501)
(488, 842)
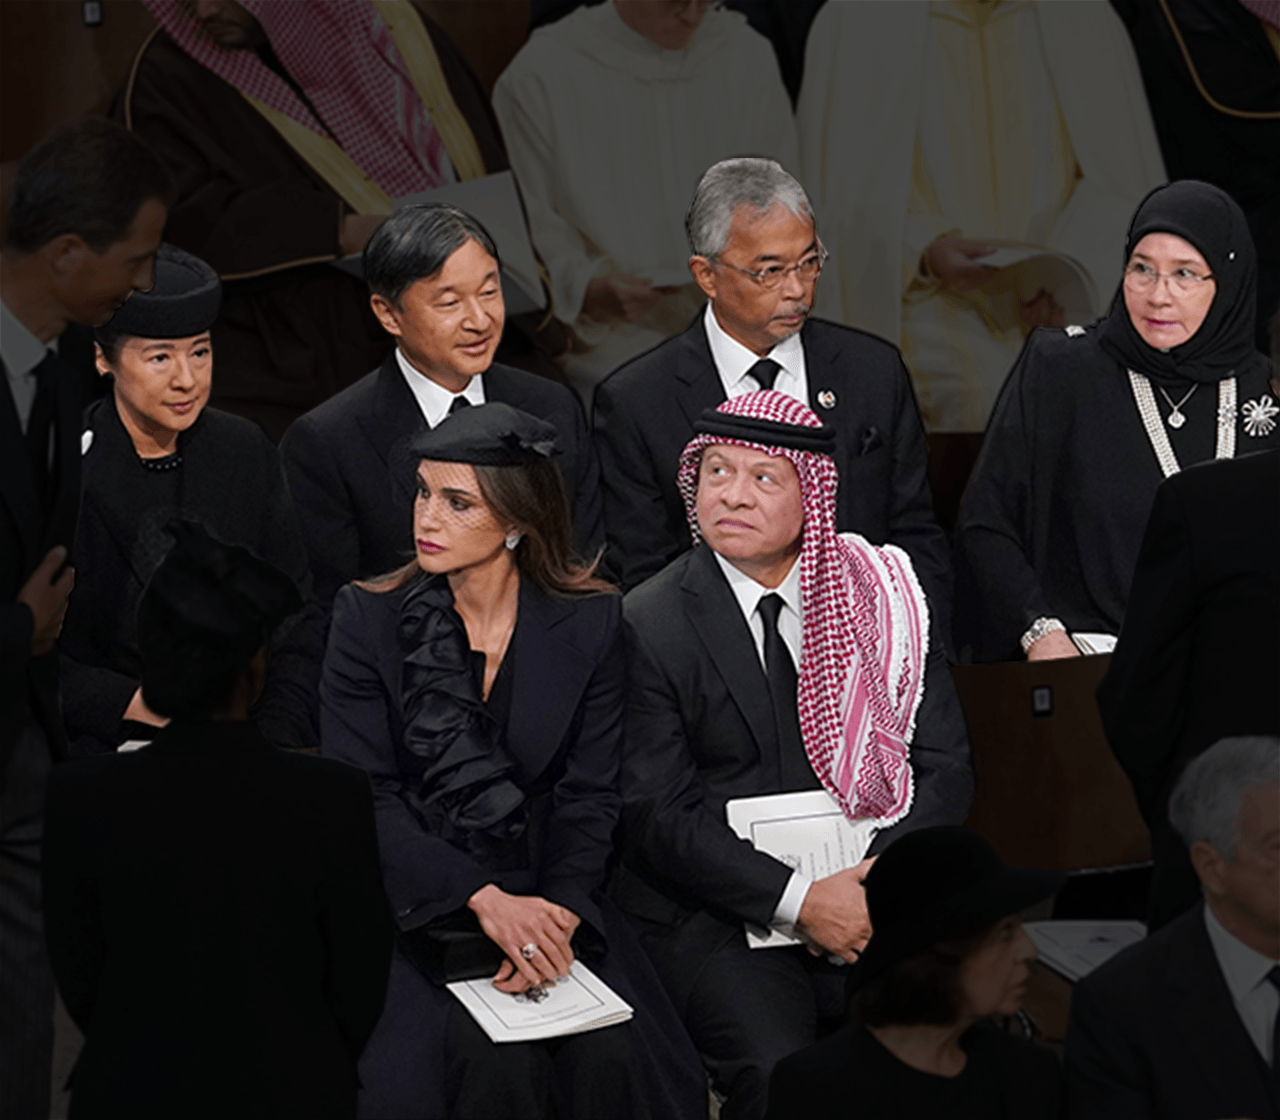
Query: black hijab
(1210, 220)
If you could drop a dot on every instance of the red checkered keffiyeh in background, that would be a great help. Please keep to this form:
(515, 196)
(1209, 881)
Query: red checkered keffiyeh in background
(342, 55)
(1266, 10)
(866, 630)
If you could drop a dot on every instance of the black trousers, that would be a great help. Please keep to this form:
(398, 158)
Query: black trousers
(746, 1009)
(591, 1076)
(26, 978)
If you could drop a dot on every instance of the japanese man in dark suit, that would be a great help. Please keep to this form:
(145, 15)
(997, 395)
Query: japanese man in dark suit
(433, 272)
(89, 203)
(1183, 1025)
(777, 657)
(757, 257)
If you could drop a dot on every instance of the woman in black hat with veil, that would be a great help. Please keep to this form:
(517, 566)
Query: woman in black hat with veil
(947, 954)
(481, 685)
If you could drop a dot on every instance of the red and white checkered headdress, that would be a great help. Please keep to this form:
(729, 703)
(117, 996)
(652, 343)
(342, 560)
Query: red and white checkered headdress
(866, 624)
(342, 55)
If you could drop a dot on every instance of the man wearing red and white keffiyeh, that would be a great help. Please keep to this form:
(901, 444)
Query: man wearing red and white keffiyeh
(776, 657)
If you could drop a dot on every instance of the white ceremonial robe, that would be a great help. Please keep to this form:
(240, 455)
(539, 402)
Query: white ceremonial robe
(1015, 121)
(608, 135)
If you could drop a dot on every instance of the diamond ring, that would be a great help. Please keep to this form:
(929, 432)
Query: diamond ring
(529, 951)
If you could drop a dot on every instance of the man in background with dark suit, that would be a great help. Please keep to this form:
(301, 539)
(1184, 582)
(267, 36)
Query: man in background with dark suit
(757, 257)
(433, 272)
(1198, 657)
(89, 204)
(1184, 1024)
(777, 658)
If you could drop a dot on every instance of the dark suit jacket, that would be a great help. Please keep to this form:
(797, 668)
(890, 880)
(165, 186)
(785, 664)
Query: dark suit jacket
(644, 415)
(562, 732)
(1198, 657)
(357, 517)
(700, 730)
(1154, 1033)
(29, 686)
(217, 926)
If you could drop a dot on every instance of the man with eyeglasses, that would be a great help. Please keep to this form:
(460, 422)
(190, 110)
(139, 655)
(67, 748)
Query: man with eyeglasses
(757, 256)
(610, 115)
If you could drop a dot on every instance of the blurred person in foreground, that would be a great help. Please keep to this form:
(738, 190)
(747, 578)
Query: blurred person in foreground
(947, 956)
(1183, 1025)
(88, 206)
(1093, 419)
(611, 114)
(776, 657)
(215, 914)
(292, 129)
(151, 451)
(482, 684)
(434, 279)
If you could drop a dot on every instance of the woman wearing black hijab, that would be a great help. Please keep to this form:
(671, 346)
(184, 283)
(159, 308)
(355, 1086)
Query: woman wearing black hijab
(481, 686)
(152, 450)
(1092, 419)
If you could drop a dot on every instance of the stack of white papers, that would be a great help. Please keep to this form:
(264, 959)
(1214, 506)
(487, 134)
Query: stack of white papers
(1075, 949)
(807, 831)
(581, 1003)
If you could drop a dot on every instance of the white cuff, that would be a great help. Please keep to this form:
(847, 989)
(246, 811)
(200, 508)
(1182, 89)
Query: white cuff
(787, 913)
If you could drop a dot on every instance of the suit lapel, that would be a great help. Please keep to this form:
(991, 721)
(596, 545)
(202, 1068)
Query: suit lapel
(393, 415)
(717, 617)
(19, 487)
(550, 676)
(1205, 1015)
(698, 385)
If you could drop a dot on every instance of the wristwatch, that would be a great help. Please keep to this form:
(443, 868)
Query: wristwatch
(1039, 629)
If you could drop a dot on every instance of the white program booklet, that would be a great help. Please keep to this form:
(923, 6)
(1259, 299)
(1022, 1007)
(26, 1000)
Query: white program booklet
(806, 831)
(581, 1003)
(1092, 643)
(495, 203)
(1075, 949)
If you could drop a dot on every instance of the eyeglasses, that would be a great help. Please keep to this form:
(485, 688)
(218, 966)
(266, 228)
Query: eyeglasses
(1142, 277)
(770, 277)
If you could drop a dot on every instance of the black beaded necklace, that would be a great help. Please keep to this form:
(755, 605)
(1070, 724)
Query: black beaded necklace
(163, 463)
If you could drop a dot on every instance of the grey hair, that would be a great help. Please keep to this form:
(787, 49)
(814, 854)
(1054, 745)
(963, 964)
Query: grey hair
(731, 183)
(1206, 801)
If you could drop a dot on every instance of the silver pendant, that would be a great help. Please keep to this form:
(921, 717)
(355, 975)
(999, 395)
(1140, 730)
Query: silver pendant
(827, 398)
(1176, 419)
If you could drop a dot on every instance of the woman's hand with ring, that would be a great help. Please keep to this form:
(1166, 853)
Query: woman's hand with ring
(516, 922)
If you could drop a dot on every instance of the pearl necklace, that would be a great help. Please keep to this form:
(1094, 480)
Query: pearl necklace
(1150, 413)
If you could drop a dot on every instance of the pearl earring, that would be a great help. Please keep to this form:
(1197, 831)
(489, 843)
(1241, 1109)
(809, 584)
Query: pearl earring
(513, 539)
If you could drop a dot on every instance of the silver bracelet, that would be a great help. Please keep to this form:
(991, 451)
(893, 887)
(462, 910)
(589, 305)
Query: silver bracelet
(1039, 629)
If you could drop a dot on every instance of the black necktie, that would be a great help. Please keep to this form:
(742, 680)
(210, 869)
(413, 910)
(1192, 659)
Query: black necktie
(765, 371)
(458, 404)
(795, 771)
(40, 425)
(1274, 977)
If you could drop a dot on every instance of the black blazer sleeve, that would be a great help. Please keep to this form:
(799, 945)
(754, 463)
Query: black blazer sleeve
(72, 907)
(669, 824)
(1107, 1075)
(425, 877)
(324, 507)
(1143, 698)
(941, 766)
(588, 512)
(353, 917)
(585, 800)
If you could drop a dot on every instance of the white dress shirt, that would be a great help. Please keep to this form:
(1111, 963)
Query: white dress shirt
(790, 626)
(433, 399)
(732, 360)
(22, 352)
(1245, 971)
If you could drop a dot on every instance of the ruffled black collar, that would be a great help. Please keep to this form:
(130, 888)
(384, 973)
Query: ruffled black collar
(466, 786)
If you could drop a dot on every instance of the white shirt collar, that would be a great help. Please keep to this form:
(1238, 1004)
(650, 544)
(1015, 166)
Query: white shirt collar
(434, 400)
(1243, 968)
(749, 593)
(19, 348)
(732, 361)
